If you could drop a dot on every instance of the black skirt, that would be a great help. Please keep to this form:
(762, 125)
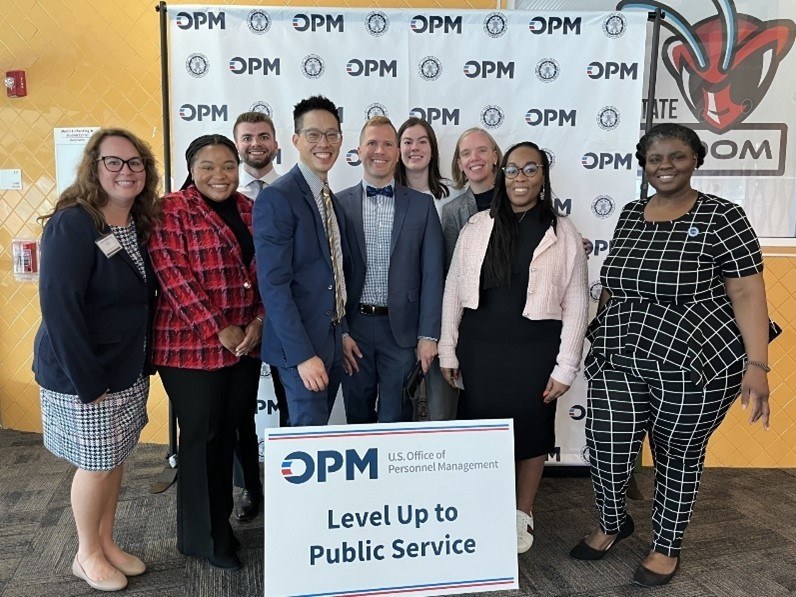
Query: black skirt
(506, 360)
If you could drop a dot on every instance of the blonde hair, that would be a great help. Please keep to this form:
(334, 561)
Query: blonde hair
(378, 121)
(459, 179)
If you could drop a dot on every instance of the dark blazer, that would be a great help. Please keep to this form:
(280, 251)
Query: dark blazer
(294, 268)
(96, 311)
(414, 294)
(454, 216)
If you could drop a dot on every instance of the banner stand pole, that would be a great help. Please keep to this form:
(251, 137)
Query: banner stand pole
(633, 490)
(169, 474)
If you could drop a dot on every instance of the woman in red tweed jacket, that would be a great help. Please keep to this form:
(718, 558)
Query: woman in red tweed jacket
(207, 326)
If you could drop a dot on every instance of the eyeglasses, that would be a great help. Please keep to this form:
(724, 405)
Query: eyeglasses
(314, 135)
(114, 164)
(530, 169)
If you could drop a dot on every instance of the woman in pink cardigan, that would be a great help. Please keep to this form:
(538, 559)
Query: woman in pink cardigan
(514, 316)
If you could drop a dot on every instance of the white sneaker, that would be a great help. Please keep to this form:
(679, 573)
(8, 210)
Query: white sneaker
(524, 531)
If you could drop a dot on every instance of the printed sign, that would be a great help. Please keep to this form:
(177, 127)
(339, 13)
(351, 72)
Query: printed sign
(390, 509)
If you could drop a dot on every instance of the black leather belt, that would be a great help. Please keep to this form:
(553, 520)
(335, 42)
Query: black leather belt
(372, 309)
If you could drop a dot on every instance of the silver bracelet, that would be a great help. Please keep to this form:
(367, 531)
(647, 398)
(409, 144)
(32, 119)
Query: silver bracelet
(762, 365)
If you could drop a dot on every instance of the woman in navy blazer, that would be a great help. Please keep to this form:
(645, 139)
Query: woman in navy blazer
(91, 351)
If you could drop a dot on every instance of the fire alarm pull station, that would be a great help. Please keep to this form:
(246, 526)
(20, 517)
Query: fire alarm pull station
(16, 86)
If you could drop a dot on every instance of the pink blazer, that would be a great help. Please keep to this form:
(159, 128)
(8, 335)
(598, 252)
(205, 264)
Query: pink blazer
(557, 289)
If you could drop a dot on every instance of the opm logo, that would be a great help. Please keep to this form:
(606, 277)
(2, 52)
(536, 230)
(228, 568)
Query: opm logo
(608, 70)
(249, 66)
(314, 22)
(551, 117)
(367, 68)
(550, 25)
(474, 69)
(197, 20)
(724, 64)
(300, 467)
(606, 160)
(430, 115)
(433, 23)
(202, 112)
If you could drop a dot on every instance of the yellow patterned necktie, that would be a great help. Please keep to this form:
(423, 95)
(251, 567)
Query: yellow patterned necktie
(333, 236)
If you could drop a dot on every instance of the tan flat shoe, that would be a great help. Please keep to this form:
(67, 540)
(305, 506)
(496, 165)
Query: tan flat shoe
(116, 582)
(133, 567)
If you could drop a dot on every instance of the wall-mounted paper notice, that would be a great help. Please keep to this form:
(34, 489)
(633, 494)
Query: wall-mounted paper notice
(11, 179)
(69, 144)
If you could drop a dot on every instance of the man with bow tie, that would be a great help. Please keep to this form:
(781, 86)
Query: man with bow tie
(394, 280)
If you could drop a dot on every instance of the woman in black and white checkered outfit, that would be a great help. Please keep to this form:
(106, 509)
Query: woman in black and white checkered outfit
(682, 329)
(90, 354)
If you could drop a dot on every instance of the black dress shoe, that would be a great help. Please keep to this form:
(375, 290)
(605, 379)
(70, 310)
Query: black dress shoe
(583, 551)
(647, 578)
(247, 506)
(227, 561)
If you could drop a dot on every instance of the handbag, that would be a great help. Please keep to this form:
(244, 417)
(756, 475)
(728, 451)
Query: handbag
(412, 383)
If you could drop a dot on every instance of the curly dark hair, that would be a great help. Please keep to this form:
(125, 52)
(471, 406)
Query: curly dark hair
(503, 241)
(670, 130)
(87, 192)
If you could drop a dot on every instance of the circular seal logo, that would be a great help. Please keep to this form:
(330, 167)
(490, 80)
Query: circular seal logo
(608, 118)
(547, 70)
(377, 23)
(430, 68)
(584, 454)
(352, 157)
(495, 24)
(551, 156)
(259, 21)
(313, 66)
(602, 206)
(197, 65)
(263, 107)
(492, 117)
(595, 289)
(615, 25)
(374, 110)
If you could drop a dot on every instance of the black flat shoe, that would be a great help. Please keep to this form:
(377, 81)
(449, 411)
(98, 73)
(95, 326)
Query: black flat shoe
(647, 578)
(247, 506)
(227, 561)
(583, 551)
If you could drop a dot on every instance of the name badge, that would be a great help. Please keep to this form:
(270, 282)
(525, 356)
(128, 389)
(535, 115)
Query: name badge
(109, 245)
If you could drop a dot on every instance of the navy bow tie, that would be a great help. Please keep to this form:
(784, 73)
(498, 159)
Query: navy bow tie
(373, 191)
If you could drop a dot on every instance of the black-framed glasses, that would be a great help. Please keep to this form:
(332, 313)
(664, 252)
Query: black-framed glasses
(314, 135)
(114, 164)
(530, 169)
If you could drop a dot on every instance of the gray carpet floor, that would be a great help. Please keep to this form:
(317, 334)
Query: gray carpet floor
(742, 539)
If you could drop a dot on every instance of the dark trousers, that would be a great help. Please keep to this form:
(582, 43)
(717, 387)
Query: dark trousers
(630, 397)
(313, 408)
(383, 368)
(246, 471)
(209, 406)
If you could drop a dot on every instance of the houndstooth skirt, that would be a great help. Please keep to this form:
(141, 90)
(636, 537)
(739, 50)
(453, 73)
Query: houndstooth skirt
(95, 437)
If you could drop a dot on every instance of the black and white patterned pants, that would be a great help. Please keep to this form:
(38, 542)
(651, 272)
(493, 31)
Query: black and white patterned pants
(630, 397)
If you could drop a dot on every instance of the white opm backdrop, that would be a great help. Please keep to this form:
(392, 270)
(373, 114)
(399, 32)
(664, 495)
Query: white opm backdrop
(571, 82)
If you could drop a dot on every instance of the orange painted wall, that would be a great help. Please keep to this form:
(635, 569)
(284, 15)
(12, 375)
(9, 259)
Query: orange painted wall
(93, 63)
